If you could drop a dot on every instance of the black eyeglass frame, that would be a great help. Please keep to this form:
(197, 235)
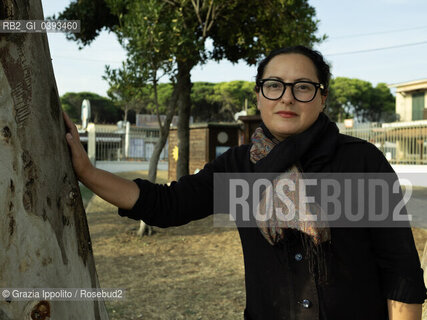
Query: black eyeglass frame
(317, 85)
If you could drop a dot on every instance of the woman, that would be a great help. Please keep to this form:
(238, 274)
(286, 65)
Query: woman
(290, 273)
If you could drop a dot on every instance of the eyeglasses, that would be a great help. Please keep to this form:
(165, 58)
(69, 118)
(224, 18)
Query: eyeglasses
(302, 91)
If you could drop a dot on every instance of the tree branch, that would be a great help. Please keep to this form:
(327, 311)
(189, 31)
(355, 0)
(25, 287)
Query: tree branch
(207, 18)
(170, 2)
(197, 11)
(215, 13)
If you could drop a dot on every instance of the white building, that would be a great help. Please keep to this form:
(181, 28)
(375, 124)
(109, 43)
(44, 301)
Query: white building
(411, 100)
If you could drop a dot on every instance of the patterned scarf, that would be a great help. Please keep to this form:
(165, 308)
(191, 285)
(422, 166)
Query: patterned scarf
(274, 229)
(312, 234)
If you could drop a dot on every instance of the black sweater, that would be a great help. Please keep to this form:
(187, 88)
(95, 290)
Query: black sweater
(368, 265)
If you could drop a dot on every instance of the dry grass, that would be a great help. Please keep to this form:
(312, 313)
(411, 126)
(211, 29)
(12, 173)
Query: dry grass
(189, 272)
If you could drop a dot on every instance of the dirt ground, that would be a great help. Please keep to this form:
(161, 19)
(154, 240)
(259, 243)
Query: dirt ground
(189, 272)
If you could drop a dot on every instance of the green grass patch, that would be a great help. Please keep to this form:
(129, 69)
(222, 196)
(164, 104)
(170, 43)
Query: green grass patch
(86, 194)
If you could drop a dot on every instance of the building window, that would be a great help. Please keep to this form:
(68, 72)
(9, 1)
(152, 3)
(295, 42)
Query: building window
(418, 106)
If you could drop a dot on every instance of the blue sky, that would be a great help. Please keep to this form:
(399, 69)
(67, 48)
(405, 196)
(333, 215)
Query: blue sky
(351, 27)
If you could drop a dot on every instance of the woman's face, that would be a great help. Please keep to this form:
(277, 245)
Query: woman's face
(287, 116)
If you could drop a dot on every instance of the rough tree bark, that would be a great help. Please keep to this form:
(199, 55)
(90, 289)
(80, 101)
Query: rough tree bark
(44, 237)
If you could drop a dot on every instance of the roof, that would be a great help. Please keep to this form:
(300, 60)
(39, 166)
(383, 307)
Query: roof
(200, 125)
(410, 85)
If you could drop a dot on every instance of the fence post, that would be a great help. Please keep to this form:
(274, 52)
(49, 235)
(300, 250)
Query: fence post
(127, 139)
(91, 143)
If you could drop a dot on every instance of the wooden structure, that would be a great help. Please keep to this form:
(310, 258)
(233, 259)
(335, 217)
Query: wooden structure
(207, 141)
(250, 123)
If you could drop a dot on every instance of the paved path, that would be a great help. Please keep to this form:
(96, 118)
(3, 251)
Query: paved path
(417, 206)
(124, 166)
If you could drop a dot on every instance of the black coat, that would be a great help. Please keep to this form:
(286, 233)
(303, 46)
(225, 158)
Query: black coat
(367, 267)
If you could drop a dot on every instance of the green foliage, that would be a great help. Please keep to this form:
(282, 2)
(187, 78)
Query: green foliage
(168, 34)
(178, 29)
(249, 29)
(71, 104)
(164, 94)
(103, 109)
(355, 98)
(384, 103)
(95, 16)
(205, 105)
(348, 98)
(210, 101)
(231, 97)
(145, 32)
(125, 90)
(146, 36)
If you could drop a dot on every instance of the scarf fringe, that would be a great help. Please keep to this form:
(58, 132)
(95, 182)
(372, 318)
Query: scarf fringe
(318, 257)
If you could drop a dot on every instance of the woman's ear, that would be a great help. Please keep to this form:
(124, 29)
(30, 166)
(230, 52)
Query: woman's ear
(324, 97)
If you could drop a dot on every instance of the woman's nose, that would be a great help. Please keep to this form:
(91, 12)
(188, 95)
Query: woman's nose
(288, 97)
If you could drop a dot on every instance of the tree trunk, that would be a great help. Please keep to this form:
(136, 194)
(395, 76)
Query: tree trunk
(125, 117)
(44, 236)
(164, 133)
(154, 160)
(184, 110)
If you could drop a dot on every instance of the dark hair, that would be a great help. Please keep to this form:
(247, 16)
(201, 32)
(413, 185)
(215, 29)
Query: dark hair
(322, 68)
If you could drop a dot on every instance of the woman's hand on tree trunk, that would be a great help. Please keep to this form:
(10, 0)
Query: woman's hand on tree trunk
(81, 163)
(114, 189)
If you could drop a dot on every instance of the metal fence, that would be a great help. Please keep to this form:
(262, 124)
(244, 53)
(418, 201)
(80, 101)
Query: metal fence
(113, 143)
(401, 142)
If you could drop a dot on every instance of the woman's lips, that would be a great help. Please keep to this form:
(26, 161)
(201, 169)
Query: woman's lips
(286, 114)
